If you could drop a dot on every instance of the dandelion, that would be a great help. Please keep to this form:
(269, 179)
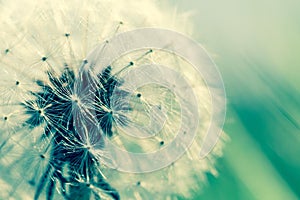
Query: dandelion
(59, 113)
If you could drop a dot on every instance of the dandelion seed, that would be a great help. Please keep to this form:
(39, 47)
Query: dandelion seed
(58, 112)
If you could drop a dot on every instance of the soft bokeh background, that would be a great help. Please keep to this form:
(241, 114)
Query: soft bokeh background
(256, 45)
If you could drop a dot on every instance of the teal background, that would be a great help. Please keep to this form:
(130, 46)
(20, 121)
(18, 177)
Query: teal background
(256, 45)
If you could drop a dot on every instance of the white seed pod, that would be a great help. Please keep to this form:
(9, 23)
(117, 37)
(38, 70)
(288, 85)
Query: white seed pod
(64, 114)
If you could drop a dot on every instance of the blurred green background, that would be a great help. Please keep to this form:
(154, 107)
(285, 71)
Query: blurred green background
(256, 45)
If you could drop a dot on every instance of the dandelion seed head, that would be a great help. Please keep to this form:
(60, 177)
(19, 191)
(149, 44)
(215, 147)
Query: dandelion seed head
(53, 128)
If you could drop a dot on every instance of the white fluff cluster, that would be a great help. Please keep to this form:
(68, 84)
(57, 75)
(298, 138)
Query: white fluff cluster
(38, 37)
